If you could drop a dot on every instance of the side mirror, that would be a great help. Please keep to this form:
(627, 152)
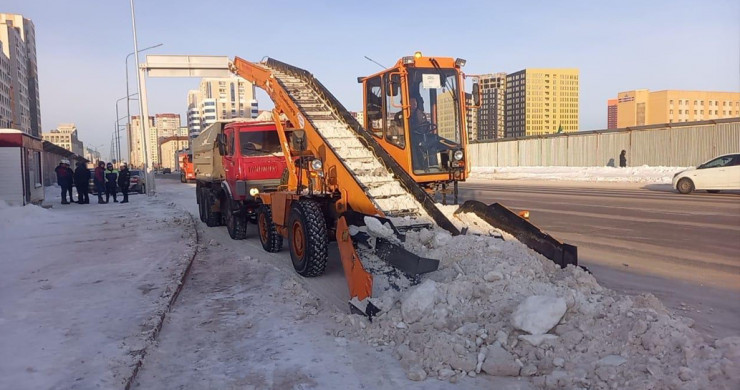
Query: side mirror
(476, 94)
(221, 142)
(298, 140)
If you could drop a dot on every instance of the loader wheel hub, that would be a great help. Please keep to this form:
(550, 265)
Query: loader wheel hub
(299, 242)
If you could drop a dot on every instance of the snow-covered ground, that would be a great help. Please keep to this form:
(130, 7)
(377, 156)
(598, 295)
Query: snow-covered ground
(495, 315)
(83, 287)
(642, 174)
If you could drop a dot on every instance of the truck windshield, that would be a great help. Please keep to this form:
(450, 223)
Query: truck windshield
(435, 124)
(259, 143)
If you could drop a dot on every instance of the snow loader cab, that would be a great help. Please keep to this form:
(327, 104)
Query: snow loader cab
(416, 111)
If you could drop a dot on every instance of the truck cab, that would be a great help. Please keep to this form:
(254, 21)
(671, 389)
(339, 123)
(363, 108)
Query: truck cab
(253, 160)
(235, 161)
(185, 160)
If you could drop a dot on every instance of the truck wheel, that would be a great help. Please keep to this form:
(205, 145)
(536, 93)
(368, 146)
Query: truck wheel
(201, 205)
(213, 218)
(308, 238)
(269, 237)
(236, 225)
(182, 179)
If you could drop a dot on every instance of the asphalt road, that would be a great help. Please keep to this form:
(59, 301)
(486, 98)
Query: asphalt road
(685, 249)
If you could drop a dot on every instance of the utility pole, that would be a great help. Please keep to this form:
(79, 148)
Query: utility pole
(143, 109)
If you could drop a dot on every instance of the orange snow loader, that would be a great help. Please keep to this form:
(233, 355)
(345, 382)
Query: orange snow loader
(365, 188)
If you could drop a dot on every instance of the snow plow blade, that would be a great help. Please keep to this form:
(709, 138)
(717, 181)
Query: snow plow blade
(389, 251)
(528, 234)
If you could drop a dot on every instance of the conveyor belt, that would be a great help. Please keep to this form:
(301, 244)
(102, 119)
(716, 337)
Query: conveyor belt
(386, 184)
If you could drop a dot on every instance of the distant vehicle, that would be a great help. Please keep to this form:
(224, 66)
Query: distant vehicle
(187, 169)
(138, 181)
(166, 171)
(719, 173)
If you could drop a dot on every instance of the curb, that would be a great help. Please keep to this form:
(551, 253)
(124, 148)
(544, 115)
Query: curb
(161, 317)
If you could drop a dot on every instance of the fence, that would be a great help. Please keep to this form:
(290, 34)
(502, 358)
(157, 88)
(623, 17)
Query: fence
(674, 145)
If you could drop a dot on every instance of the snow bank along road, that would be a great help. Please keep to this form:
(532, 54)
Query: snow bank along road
(495, 315)
(83, 288)
(642, 238)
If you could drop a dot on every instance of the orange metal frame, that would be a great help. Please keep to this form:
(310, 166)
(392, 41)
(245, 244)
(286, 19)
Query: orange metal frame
(403, 155)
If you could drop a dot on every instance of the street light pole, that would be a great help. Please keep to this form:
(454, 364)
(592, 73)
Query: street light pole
(143, 112)
(128, 94)
(118, 135)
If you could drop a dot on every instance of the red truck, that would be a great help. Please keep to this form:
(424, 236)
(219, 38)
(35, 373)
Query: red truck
(233, 163)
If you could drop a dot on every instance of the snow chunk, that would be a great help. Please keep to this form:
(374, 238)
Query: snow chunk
(500, 362)
(538, 314)
(611, 360)
(377, 229)
(418, 303)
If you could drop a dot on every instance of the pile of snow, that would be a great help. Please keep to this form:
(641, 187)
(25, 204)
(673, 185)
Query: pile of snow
(11, 215)
(641, 174)
(495, 307)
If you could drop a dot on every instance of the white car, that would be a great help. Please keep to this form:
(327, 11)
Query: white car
(719, 173)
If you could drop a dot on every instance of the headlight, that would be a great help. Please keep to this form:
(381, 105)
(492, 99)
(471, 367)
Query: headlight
(458, 155)
(254, 191)
(316, 165)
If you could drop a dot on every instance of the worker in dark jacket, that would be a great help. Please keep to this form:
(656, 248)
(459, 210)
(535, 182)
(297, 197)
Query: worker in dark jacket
(124, 181)
(65, 179)
(82, 180)
(623, 159)
(111, 178)
(99, 181)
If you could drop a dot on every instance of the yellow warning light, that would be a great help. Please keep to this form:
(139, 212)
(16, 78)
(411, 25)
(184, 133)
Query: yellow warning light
(417, 54)
(524, 214)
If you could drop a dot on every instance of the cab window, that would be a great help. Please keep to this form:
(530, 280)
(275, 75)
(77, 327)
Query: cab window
(718, 162)
(394, 113)
(230, 144)
(374, 106)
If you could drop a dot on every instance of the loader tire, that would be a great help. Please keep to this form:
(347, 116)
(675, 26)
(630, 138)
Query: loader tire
(213, 218)
(236, 225)
(308, 238)
(271, 240)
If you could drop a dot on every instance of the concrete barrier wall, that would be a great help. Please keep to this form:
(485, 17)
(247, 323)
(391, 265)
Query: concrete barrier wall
(679, 145)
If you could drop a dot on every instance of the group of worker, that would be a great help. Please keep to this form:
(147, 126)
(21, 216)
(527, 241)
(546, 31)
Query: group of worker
(105, 178)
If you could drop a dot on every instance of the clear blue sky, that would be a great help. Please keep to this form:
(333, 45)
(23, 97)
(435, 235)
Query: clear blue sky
(618, 46)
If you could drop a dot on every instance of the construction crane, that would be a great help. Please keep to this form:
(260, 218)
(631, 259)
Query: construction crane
(340, 175)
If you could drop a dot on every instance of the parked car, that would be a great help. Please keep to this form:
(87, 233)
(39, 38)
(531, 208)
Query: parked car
(166, 171)
(719, 173)
(138, 181)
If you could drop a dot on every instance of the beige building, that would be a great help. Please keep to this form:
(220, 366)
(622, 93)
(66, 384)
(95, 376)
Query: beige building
(21, 95)
(136, 159)
(169, 146)
(6, 110)
(218, 99)
(492, 112)
(642, 107)
(65, 136)
(542, 101)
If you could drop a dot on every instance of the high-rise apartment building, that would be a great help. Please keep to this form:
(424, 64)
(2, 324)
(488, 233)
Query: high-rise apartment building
(92, 156)
(165, 126)
(642, 107)
(135, 142)
(218, 99)
(542, 101)
(194, 119)
(65, 136)
(18, 44)
(6, 110)
(492, 112)
(471, 118)
(611, 114)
